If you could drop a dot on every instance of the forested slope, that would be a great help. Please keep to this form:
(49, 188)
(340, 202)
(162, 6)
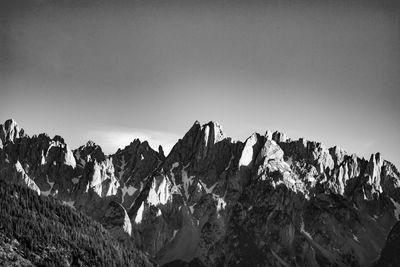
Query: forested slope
(42, 231)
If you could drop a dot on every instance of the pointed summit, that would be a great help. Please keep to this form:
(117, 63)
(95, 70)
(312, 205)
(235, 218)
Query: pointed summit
(90, 149)
(198, 143)
(90, 143)
(10, 130)
(216, 129)
(212, 130)
(161, 151)
(206, 134)
(197, 122)
(212, 133)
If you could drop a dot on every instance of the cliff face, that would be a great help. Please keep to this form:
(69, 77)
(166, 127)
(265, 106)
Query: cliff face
(84, 178)
(267, 201)
(212, 201)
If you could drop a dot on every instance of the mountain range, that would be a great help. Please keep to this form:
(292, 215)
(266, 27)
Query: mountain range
(212, 201)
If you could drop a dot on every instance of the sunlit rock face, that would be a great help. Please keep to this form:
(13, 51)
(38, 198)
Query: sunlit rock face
(186, 192)
(9, 131)
(84, 178)
(266, 201)
(47, 161)
(89, 152)
(269, 201)
(133, 166)
(19, 176)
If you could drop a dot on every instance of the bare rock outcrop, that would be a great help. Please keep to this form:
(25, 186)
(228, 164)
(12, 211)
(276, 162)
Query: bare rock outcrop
(267, 201)
(9, 131)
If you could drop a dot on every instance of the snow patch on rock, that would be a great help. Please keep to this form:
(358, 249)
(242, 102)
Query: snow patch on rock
(208, 190)
(139, 214)
(159, 193)
(127, 190)
(51, 184)
(221, 204)
(187, 181)
(159, 213)
(174, 234)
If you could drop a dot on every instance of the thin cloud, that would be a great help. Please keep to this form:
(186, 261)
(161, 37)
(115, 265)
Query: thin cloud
(110, 141)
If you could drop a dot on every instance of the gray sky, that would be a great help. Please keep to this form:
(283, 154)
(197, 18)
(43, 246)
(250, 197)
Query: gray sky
(112, 71)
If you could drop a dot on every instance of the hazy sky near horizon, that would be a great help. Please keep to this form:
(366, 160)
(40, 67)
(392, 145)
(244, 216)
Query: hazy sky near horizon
(112, 71)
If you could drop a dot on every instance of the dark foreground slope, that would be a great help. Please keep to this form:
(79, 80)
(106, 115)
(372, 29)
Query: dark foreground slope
(390, 256)
(40, 231)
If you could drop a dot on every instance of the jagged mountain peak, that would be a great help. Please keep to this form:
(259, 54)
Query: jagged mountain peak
(211, 126)
(197, 122)
(10, 122)
(310, 149)
(212, 199)
(10, 130)
(58, 138)
(198, 143)
(89, 151)
(277, 136)
(161, 151)
(135, 145)
(215, 129)
(132, 145)
(90, 143)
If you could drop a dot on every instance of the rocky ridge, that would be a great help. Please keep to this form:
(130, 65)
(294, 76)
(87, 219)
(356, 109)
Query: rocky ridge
(267, 201)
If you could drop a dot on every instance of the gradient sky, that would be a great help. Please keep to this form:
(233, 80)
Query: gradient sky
(111, 71)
